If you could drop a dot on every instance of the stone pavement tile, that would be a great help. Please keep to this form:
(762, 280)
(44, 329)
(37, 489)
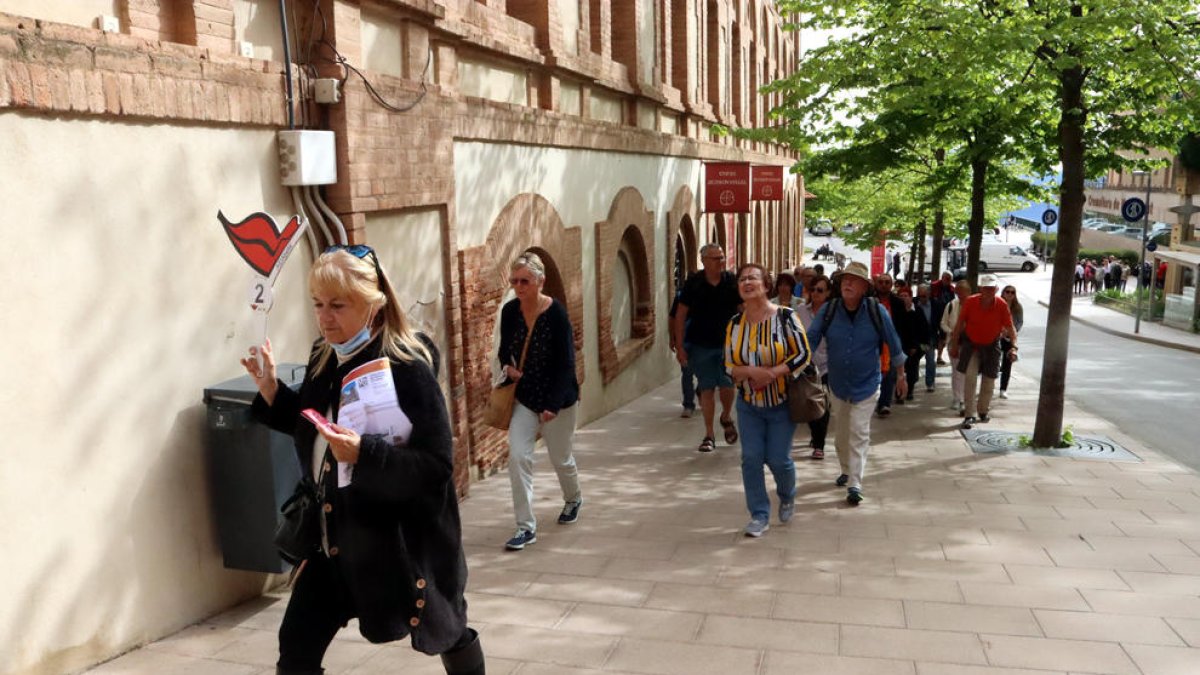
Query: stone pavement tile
(734, 631)
(683, 533)
(1180, 564)
(1107, 627)
(951, 570)
(944, 493)
(1159, 505)
(262, 613)
(498, 581)
(1049, 541)
(1066, 577)
(661, 570)
(262, 649)
(1152, 582)
(957, 617)
(1026, 554)
(917, 645)
(1188, 629)
(816, 583)
(658, 624)
(1100, 490)
(1143, 604)
(837, 563)
(796, 663)
(900, 588)
(1166, 530)
(844, 610)
(1027, 497)
(533, 559)
(1151, 545)
(203, 639)
(795, 536)
(1121, 560)
(401, 658)
(541, 645)
(1116, 516)
(589, 589)
(515, 610)
(623, 547)
(1165, 660)
(1012, 595)
(741, 552)
(677, 658)
(890, 548)
(926, 668)
(144, 661)
(710, 600)
(1019, 510)
(1053, 654)
(544, 669)
(938, 533)
(1083, 527)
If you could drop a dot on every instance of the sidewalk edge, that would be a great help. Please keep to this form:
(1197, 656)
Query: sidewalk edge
(1131, 336)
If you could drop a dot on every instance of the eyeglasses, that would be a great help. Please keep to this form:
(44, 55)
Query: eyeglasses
(745, 279)
(360, 251)
(520, 281)
(819, 289)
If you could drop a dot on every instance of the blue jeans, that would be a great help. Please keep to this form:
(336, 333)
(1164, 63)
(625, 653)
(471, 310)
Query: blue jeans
(766, 435)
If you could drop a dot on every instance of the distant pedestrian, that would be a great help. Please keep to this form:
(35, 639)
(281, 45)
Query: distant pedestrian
(887, 388)
(854, 353)
(687, 378)
(1007, 355)
(819, 293)
(784, 294)
(896, 264)
(765, 346)
(941, 294)
(962, 291)
(975, 346)
(710, 297)
(917, 331)
(1125, 272)
(1080, 279)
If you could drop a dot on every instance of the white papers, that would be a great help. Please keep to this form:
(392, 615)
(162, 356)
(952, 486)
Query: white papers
(369, 406)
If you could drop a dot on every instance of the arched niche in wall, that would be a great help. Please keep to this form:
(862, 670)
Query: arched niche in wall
(527, 223)
(626, 238)
(681, 240)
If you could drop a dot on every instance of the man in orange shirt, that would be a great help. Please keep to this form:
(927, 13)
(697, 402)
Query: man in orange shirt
(975, 346)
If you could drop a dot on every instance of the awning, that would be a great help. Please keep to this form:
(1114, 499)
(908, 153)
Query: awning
(1181, 257)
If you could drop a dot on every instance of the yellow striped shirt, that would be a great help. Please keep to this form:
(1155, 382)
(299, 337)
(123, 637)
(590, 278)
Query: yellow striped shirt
(778, 340)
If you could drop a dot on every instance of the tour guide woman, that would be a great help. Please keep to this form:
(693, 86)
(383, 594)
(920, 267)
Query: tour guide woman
(391, 550)
(764, 346)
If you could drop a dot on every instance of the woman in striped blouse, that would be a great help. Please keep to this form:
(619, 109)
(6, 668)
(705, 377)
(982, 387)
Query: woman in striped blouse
(764, 346)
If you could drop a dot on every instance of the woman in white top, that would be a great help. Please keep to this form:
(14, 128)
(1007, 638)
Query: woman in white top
(819, 290)
(962, 290)
(785, 287)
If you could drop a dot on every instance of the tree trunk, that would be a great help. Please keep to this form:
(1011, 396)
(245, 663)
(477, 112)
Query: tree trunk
(979, 169)
(939, 224)
(1047, 428)
(917, 261)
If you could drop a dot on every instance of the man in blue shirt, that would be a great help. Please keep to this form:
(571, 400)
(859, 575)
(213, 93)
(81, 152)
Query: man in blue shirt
(854, 365)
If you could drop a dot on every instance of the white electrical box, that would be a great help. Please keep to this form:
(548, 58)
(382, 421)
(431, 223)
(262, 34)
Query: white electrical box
(307, 157)
(109, 23)
(327, 90)
(246, 49)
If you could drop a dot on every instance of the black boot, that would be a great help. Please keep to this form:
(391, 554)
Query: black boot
(465, 659)
(280, 670)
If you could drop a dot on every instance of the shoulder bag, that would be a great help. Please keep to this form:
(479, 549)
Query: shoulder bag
(500, 403)
(298, 532)
(805, 394)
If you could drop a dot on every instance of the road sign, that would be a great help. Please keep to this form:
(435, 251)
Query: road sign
(1049, 216)
(1133, 209)
(1152, 246)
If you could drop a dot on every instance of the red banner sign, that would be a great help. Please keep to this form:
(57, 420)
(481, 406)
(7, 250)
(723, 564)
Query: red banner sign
(766, 183)
(878, 260)
(726, 187)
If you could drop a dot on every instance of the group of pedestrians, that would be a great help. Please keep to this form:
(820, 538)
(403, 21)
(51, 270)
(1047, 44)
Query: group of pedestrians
(1105, 273)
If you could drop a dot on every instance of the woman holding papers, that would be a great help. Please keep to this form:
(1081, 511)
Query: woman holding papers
(391, 546)
(537, 351)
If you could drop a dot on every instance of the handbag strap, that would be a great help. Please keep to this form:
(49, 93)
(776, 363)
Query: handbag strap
(525, 349)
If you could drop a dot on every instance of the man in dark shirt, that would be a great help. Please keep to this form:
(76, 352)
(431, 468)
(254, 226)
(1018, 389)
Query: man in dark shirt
(709, 299)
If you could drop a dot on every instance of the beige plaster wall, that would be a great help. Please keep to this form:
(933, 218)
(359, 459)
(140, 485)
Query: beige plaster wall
(568, 20)
(257, 22)
(581, 185)
(123, 300)
(485, 80)
(76, 12)
(382, 43)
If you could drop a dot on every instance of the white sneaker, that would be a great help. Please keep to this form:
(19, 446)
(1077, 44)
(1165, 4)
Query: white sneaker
(955, 405)
(1003, 394)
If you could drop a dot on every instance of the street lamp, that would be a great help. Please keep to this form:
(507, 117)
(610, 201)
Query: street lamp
(1137, 320)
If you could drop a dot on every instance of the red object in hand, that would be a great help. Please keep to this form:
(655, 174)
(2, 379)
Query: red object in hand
(316, 418)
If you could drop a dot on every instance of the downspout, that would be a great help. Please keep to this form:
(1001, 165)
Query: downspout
(287, 64)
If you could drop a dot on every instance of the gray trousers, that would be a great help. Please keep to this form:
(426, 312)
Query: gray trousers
(559, 434)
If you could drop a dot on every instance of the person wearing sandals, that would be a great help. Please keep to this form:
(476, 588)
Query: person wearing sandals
(819, 292)
(764, 346)
(1009, 295)
(390, 552)
(710, 297)
(546, 394)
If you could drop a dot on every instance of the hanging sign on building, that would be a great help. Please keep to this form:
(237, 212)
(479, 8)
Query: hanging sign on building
(726, 187)
(878, 260)
(766, 183)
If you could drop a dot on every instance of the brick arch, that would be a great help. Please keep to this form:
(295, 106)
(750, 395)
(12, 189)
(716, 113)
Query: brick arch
(527, 222)
(681, 219)
(629, 223)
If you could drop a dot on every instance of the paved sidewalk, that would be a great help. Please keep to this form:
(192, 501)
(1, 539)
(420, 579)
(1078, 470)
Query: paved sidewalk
(956, 564)
(1037, 285)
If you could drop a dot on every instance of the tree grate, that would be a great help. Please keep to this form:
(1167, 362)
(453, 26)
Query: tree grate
(1084, 447)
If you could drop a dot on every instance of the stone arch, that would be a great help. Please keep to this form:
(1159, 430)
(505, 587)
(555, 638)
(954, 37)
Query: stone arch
(629, 229)
(527, 222)
(681, 232)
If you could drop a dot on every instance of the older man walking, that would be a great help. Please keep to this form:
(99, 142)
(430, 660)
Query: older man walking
(855, 328)
(975, 347)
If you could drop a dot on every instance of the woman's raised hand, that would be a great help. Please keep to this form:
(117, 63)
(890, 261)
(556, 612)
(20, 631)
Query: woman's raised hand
(264, 375)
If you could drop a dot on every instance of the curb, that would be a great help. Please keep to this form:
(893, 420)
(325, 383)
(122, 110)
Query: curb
(1131, 336)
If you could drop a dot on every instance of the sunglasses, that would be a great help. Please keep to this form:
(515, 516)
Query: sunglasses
(819, 289)
(360, 251)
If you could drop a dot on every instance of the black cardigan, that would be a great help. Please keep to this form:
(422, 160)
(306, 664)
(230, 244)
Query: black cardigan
(548, 378)
(395, 528)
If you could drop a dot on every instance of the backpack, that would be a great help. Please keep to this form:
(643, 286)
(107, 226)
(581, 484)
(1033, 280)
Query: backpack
(873, 311)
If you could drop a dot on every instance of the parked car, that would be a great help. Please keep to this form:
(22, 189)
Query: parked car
(999, 256)
(821, 227)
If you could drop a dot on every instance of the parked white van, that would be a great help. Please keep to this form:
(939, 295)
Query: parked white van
(1000, 256)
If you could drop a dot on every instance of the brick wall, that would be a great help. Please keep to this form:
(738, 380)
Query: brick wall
(630, 226)
(680, 221)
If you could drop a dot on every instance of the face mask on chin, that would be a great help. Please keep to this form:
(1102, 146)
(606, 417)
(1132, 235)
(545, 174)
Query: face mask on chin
(357, 340)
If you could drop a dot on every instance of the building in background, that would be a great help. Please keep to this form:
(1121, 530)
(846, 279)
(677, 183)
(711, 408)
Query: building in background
(465, 132)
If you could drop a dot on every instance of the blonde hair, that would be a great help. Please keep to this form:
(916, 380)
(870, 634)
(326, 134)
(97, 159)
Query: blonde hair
(532, 262)
(338, 272)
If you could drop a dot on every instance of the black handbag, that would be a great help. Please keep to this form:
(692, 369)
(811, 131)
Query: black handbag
(298, 532)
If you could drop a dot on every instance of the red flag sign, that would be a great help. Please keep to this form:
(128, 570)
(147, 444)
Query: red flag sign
(878, 260)
(766, 183)
(726, 187)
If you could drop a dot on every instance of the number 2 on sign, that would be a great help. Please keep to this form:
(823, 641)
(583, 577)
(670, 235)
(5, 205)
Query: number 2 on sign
(260, 295)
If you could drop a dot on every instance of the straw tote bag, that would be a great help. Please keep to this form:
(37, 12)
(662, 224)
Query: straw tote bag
(500, 402)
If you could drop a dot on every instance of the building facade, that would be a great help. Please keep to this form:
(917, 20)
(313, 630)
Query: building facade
(466, 132)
